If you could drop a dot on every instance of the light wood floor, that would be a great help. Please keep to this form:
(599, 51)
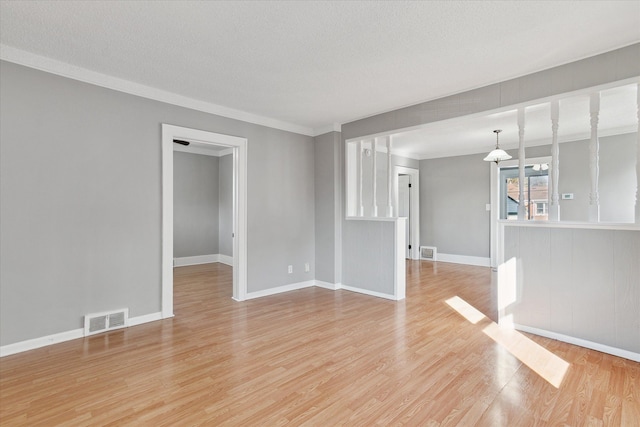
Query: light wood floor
(319, 358)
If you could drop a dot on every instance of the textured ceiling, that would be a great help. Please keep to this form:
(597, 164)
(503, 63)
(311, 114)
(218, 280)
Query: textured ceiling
(314, 64)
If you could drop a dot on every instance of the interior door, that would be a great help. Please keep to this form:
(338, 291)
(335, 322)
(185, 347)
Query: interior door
(404, 207)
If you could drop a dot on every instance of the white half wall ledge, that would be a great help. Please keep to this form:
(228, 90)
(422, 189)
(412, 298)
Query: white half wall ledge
(202, 259)
(35, 343)
(464, 259)
(580, 342)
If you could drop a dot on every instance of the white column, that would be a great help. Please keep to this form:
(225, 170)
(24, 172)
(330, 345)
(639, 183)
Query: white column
(389, 179)
(594, 159)
(374, 175)
(522, 213)
(638, 159)
(360, 207)
(554, 209)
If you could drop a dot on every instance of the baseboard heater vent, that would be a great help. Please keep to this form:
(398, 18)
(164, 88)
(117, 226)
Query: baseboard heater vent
(429, 253)
(106, 321)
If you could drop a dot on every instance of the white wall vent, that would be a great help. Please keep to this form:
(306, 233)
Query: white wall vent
(429, 253)
(106, 321)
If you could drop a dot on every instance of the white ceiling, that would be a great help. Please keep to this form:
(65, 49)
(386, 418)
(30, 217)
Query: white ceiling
(312, 65)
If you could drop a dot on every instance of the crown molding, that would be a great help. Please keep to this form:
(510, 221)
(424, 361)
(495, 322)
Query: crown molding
(53, 66)
(334, 127)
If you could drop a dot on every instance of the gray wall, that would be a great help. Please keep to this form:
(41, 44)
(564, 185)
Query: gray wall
(617, 179)
(226, 205)
(617, 183)
(370, 245)
(326, 205)
(454, 192)
(195, 204)
(80, 201)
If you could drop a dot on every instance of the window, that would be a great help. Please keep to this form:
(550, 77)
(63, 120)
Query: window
(536, 192)
(541, 208)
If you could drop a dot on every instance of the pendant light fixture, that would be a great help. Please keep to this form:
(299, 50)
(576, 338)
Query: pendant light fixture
(498, 154)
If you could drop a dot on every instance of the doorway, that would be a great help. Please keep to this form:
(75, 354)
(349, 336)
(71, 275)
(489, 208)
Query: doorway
(504, 201)
(407, 202)
(239, 227)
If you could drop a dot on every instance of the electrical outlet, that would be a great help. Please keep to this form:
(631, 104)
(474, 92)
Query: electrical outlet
(290, 269)
(306, 267)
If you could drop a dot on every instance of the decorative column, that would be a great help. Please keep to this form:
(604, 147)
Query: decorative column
(389, 179)
(638, 159)
(374, 175)
(359, 167)
(554, 209)
(522, 213)
(594, 159)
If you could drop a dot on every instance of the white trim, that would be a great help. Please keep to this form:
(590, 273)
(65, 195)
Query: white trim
(580, 342)
(368, 292)
(333, 127)
(53, 66)
(327, 285)
(465, 259)
(371, 218)
(195, 260)
(240, 147)
(225, 259)
(199, 150)
(280, 289)
(19, 347)
(572, 224)
(32, 344)
(319, 284)
(146, 318)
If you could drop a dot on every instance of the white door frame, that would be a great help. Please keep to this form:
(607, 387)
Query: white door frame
(415, 205)
(239, 146)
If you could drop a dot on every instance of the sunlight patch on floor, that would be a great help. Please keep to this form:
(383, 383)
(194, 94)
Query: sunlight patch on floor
(543, 362)
(467, 311)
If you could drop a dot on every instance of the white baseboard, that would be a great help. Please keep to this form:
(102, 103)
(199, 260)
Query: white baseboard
(19, 347)
(32, 344)
(280, 289)
(327, 285)
(580, 342)
(464, 259)
(146, 318)
(336, 286)
(202, 259)
(225, 259)
(368, 292)
(320, 284)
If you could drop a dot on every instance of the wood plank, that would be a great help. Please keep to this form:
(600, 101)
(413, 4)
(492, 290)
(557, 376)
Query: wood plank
(316, 357)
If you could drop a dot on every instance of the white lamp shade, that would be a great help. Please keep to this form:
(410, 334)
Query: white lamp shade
(497, 155)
